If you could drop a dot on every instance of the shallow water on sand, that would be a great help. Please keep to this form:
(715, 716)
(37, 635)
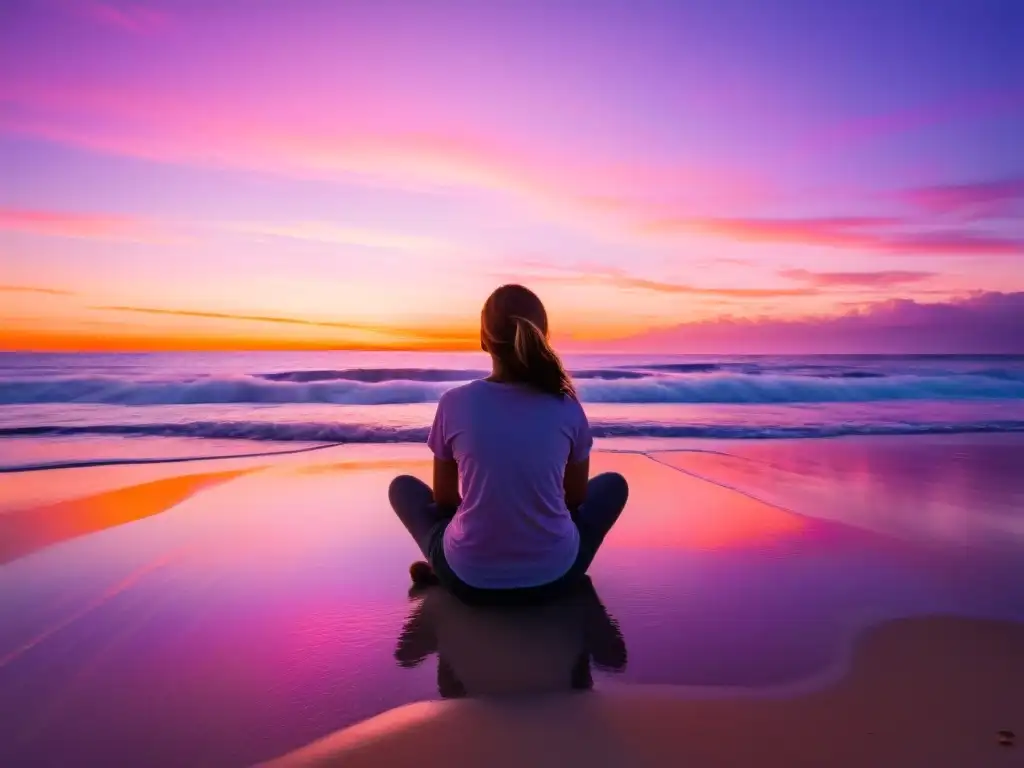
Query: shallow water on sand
(266, 604)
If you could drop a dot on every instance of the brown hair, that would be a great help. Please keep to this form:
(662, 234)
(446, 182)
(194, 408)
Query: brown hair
(514, 329)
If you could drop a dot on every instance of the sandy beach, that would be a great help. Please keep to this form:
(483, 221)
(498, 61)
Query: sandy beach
(237, 611)
(921, 692)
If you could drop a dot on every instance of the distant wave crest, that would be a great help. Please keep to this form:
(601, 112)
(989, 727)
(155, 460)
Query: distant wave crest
(395, 386)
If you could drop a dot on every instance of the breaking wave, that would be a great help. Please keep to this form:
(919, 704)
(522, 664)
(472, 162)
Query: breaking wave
(395, 386)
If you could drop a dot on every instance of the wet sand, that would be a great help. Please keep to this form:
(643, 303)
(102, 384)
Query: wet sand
(927, 692)
(27, 530)
(231, 611)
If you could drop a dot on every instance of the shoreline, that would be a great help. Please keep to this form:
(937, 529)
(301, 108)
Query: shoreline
(78, 486)
(616, 444)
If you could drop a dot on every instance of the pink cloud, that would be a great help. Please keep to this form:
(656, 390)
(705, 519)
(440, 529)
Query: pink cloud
(864, 234)
(167, 127)
(984, 199)
(178, 128)
(80, 225)
(950, 243)
(129, 17)
(833, 231)
(983, 323)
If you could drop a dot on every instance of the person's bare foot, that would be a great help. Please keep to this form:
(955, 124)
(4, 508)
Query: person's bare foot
(422, 574)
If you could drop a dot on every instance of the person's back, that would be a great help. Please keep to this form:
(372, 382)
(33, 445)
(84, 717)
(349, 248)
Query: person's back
(511, 443)
(527, 521)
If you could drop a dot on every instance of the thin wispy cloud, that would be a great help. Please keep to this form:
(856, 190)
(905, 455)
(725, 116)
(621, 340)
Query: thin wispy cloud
(621, 280)
(419, 334)
(35, 289)
(981, 199)
(880, 279)
(624, 281)
(949, 243)
(279, 319)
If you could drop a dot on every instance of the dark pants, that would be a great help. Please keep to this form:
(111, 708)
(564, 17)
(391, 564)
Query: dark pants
(413, 502)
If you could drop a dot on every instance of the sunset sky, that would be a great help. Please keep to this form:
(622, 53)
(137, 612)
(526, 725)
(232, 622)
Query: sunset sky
(711, 175)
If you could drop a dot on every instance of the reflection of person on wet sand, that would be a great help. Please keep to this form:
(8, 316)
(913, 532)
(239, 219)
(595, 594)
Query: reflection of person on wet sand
(490, 650)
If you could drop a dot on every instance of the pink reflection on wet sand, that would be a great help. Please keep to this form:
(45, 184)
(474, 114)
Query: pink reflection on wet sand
(667, 512)
(257, 614)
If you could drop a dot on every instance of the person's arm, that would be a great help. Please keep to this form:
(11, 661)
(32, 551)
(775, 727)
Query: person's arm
(446, 483)
(576, 475)
(446, 470)
(577, 469)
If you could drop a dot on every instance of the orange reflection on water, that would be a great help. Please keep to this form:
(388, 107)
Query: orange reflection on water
(421, 468)
(666, 509)
(27, 530)
(669, 509)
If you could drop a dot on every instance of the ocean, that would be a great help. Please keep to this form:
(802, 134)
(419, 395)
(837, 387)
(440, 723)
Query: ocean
(250, 402)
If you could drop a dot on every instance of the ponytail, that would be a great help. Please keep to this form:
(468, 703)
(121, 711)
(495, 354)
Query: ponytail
(536, 362)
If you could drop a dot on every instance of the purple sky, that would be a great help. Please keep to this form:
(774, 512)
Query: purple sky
(221, 173)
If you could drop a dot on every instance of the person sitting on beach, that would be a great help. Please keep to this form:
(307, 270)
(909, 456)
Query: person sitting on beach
(528, 523)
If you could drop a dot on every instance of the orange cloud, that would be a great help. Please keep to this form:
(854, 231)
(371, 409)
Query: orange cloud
(384, 336)
(230, 316)
(825, 231)
(81, 225)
